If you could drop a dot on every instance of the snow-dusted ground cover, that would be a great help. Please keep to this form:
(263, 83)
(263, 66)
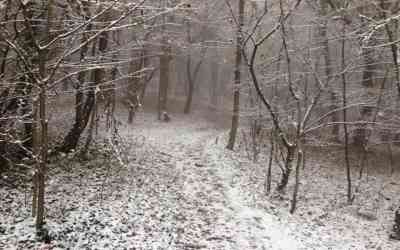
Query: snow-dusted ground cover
(323, 219)
(181, 189)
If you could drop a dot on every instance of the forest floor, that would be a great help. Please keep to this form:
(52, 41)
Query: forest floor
(175, 186)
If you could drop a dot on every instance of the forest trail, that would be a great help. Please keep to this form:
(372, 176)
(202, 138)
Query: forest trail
(180, 190)
(213, 213)
(177, 188)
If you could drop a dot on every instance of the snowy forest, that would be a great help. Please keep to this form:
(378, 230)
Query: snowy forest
(199, 124)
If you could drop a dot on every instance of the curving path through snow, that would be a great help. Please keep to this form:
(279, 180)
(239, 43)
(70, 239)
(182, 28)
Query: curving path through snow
(213, 210)
(180, 190)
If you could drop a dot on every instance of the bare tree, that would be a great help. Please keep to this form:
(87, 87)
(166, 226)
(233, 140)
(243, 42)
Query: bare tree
(291, 143)
(192, 71)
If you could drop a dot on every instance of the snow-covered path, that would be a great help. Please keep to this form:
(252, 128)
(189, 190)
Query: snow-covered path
(255, 228)
(180, 190)
(214, 213)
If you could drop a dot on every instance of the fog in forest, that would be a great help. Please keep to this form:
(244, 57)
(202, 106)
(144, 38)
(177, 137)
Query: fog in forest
(183, 124)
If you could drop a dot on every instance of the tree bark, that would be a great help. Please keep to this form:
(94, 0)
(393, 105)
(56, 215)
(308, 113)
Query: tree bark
(41, 173)
(189, 97)
(290, 153)
(165, 59)
(297, 180)
(237, 78)
(83, 104)
(268, 178)
(42, 166)
(346, 133)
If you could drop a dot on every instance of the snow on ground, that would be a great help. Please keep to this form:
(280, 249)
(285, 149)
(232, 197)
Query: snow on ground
(256, 228)
(181, 189)
(323, 219)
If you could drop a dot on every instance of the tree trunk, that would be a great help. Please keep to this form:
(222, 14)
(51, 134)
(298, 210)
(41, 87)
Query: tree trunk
(237, 78)
(297, 180)
(361, 133)
(35, 150)
(83, 106)
(360, 137)
(214, 82)
(290, 154)
(268, 178)
(31, 12)
(165, 59)
(346, 133)
(189, 97)
(391, 29)
(98, 75)
(164, 81)
(133, 91)
(41, 173)
(133, 82)
(42, 166)
(191, 77)
(323, 30)
(148, 76)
